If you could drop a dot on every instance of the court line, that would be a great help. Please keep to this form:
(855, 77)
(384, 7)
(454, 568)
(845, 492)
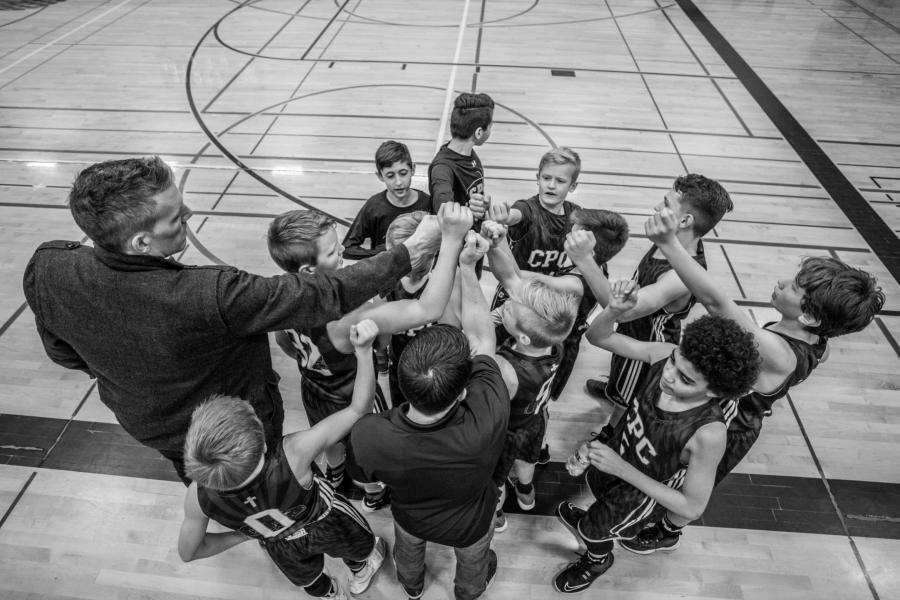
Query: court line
(451, 83)
(63, 36)
(478, 45)
(17, 498)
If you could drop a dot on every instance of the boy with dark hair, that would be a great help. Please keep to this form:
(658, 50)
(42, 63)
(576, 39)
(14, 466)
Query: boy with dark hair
(395, 168)
(455, 173)
(277, 496)
(664, 452)
(825, 299)
(324, 354)
(438, 450)
(700, 203)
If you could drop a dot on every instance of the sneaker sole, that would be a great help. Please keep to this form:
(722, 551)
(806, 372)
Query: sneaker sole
(380, 545)
(653, 551)
(525, 506)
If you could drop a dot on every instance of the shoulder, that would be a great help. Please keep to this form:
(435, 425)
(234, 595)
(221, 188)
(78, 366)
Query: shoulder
(375, 200)
(710, 436)
(485, 372)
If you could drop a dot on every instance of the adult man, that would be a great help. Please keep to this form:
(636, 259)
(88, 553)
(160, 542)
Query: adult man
(159, 336)
(438, 451)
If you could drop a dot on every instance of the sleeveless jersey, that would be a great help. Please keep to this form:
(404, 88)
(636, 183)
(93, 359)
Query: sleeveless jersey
(651, 439)
(535, 375)
(661, 326)
(328, 371)
(748, 412)
(272, 507)
(537, 240)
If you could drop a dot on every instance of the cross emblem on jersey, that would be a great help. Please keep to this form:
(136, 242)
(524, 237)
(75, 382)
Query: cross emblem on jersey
(251, 500)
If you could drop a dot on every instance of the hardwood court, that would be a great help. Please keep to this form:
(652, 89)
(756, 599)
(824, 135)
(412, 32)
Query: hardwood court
(267, 105)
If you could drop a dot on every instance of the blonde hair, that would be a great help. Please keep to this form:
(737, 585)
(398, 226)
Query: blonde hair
(400, 229)
(550, 314)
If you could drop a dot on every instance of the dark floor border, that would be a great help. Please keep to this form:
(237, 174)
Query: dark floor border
(874, 230)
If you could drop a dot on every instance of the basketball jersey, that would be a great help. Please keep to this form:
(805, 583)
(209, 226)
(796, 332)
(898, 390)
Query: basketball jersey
(748, 412)
(535, 375)
(586, 305)
(468, 174)
(328, 372)
(401, 339)
(272, 507)
(651, 439)
(661, 326)
(538, 240)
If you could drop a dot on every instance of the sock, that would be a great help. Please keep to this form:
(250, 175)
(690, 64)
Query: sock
(667, 527)
(524, 488)
(358, 568)
(322, 587)
(337, 471)
(373, 496)
(597, 558)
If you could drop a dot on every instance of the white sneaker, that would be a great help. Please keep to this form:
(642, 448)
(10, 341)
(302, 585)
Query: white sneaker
(359, 582)
(337, 593)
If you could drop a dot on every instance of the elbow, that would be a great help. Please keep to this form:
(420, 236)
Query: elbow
(694, 512)
(186, 556)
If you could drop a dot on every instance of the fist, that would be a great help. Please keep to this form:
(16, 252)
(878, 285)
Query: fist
(623, 295)
(479, 203)
(493, 232)
(499, 212)
(473, 250)
(454, 219)
(363, 334)
(579, 245)
(661, 226)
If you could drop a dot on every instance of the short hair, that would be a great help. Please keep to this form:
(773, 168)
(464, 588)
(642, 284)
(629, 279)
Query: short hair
(224, 443)
(562, 156)
(400, 229)
(434, 368)
(470, 111)
(390, 152)
(843, 298)
(706, 198)
(112, 200)
(294, 238)
(550, 313)
(724, 353)
(610, 229)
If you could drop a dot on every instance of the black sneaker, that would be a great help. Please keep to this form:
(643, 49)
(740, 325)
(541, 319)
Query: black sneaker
(411, 595)
(569, 515)
(373, 502)
(652, 539)
(334, 475)
(544, 456)
(492, 569)
(596, 388)
(579, 575)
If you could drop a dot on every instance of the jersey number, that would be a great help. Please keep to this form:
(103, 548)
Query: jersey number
(268, 523)
(308, 354)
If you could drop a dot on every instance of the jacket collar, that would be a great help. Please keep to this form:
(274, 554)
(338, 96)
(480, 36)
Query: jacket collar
(134, 262)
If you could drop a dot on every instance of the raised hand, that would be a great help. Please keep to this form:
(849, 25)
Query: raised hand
(493, 232)
(499, 213)
(479, 203)
(579, 245)
(473, 250)
(363, 334)
(661, 227)
(455, 220)
(424, 241)
(623, 295)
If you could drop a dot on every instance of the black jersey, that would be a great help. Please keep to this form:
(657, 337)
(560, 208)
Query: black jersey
(535, 375)
(327, 371)
(372, 222)
(453, 177)
(748, 412)
(273, 506)
(538, 240)
(660, 326)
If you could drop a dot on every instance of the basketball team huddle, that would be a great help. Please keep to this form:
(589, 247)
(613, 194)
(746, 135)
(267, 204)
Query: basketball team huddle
(182, 357)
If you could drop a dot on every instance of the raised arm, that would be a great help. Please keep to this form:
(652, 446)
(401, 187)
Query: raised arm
(579, 246)
(474, 313)
(623, 297)
(502, 213)
(440, 186)
(193, 540)
(503, 263)
(303, 447)
(706, 447)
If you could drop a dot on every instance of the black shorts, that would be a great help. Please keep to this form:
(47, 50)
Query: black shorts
(343, 534)
(523, 443)
(318, 407)
(738, 443)
(620, 512)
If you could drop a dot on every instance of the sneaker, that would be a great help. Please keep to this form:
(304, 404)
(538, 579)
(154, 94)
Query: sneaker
(652, 539)
(544, 456)
(500, 523)
(336, 592)
(413, 595)
(359, 582)
(569, 515)
(525, 500)
(334, 475)
(579, 575)
(596, 388)
(373, 502)
(492, 569)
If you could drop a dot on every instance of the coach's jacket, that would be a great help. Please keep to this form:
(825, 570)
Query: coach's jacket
(160, 337)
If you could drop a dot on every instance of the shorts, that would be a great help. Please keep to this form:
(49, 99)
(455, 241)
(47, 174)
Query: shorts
(738, 443)
(620, 512)
(318, 407)
(523, 443)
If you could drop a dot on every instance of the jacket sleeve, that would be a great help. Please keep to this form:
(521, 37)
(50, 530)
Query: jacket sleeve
(251, 304)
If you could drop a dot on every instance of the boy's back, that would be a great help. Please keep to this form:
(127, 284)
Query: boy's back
(535, 378)
(454, 177)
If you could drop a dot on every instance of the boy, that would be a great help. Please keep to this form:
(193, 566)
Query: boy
(455, 173)
(700, 204)
(306, 241)
(826, 298)
(395, 168)
(535, 320)
(276, 495)
(665, 451)
(438, 450)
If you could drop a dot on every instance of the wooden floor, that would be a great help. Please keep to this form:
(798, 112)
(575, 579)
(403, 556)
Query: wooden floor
(265, 105)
